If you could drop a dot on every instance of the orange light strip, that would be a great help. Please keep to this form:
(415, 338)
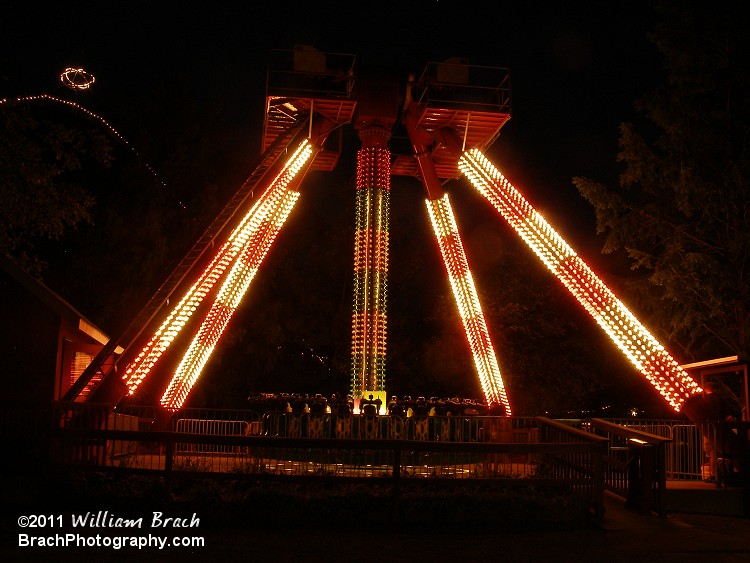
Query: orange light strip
(233, 289)
(142, 365)
(369, 318)
(467, 301)
(628, 334)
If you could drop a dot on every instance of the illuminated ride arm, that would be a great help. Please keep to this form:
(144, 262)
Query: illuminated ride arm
(371, 244)
(237, 282)
(457, 266)
(140, 367)
(467, 301)
(630, 336)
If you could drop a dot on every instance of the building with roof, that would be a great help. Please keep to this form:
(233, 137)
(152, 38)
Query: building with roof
(45, 343)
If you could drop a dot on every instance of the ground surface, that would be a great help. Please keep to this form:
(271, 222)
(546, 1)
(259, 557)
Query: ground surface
(622, 538)
(228, 535)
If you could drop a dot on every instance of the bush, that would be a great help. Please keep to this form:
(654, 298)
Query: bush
(419, 504)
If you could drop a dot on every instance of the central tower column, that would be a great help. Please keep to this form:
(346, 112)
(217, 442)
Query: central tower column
(369, 319)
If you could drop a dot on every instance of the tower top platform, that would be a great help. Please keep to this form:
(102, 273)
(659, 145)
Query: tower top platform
(302, 81)
(474, 101)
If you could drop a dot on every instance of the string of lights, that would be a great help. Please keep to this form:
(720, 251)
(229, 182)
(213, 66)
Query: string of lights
(77, 79)
(628, 334)
(235, 285)
(467, 301)
(88, 113)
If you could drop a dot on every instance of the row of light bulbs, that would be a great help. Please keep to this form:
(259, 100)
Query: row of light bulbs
(369, 317)
(628, 334)
(253, 227)
(141, 366)
(230, 295)
(451, 247)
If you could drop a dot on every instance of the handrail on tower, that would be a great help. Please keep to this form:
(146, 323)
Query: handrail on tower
(305, 72)
(304, 80)
(454, 82)
(472, 100)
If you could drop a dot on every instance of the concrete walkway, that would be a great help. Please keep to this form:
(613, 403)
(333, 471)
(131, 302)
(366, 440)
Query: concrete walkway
(623, 537)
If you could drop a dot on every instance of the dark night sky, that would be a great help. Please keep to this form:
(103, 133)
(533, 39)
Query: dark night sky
(576, 68)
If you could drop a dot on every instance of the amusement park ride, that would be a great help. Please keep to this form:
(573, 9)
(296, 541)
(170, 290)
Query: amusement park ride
(451, 113)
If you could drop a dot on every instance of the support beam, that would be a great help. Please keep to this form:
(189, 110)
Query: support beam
(467, 301)
(628, 334)
(266, 225)
(369, 319)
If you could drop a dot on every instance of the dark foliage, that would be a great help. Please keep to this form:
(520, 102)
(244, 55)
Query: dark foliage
(681, 208)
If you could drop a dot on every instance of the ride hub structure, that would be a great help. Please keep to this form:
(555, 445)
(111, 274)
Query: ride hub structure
(451, 113)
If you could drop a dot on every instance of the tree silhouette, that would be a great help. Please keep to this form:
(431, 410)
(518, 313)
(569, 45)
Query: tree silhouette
(48, 163)
(681, 209)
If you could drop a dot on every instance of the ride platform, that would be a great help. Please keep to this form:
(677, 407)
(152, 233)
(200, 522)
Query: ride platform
(304, 81)
(472, 101)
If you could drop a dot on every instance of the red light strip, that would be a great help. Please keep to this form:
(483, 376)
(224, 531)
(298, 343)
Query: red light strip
(233, 289)
(142, 365)
(467, 301)
(369, 319)
(628, 334)
(231, 293)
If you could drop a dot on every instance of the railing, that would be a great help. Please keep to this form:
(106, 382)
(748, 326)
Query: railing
(485, 88)
(637, 456)
(311, 73)
(684, 456)
(635, 465)
(706, 451)
(461, 448)
(515, 452)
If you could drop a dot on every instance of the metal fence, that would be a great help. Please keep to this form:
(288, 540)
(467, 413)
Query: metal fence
(685, 457)
(582, 455)
(717, 452)
(514, 451)
(635, 465)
